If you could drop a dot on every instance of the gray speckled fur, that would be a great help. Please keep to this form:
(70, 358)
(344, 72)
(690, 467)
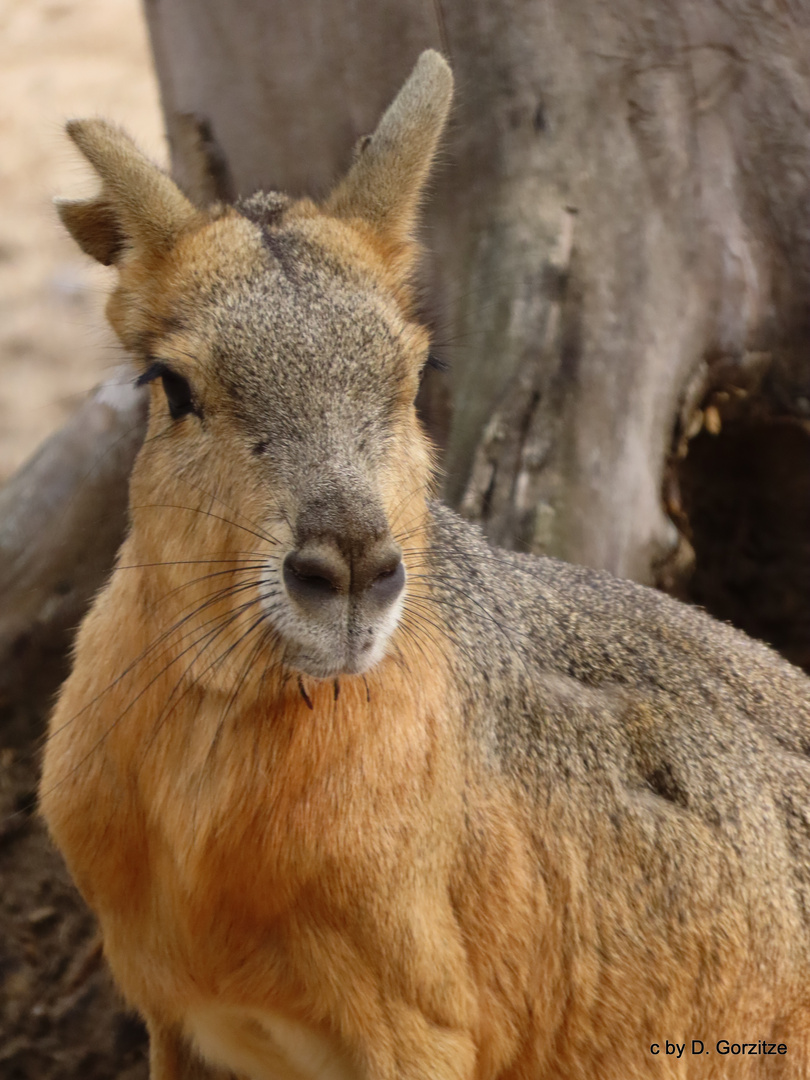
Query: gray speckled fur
(641, 711)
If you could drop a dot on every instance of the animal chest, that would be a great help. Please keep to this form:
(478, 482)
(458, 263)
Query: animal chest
(271, 887)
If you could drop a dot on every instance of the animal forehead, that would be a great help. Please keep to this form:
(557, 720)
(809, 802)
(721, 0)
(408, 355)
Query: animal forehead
(316, 345)
(243, 274)
(317, 320)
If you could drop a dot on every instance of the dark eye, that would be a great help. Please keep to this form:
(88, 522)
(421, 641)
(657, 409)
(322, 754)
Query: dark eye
(176, 387)
(178, 394)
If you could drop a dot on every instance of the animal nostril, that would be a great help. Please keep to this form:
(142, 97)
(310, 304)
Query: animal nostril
(388, 583)
(312, 578)
(309, 580)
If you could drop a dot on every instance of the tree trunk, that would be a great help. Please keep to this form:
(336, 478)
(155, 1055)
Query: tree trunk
(62, 520)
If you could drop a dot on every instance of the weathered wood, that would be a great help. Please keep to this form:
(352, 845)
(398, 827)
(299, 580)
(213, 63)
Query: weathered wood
(62, 519)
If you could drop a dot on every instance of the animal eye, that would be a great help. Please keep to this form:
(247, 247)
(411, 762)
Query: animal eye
(176, 388)
(178, 394)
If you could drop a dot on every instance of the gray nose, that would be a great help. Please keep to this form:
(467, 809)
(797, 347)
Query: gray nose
(319, 571)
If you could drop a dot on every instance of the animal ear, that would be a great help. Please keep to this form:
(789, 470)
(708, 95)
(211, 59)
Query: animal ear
(384, 185)
(138, 206)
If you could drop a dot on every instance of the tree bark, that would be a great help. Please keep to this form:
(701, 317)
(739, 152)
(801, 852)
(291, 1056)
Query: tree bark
(62, 520)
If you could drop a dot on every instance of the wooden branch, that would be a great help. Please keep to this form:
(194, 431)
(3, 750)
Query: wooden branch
(62, 519)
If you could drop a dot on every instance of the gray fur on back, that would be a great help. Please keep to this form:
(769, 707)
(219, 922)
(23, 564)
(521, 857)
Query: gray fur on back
(677, 728)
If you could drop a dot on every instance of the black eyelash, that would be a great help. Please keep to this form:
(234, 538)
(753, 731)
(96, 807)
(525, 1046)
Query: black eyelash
(176, 387)
(438, 363)
(154, 371)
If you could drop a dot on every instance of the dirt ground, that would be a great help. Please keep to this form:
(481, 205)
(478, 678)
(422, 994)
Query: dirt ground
(60, 1016)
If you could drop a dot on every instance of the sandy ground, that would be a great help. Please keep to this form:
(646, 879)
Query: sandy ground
(58, 59)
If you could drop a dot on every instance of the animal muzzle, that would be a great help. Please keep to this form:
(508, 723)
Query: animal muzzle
(343, 584)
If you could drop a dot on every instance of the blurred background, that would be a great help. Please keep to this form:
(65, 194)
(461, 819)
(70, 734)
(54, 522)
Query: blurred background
(58, 59)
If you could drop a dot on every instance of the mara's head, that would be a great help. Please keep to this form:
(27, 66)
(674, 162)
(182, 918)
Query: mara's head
(282, 354)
